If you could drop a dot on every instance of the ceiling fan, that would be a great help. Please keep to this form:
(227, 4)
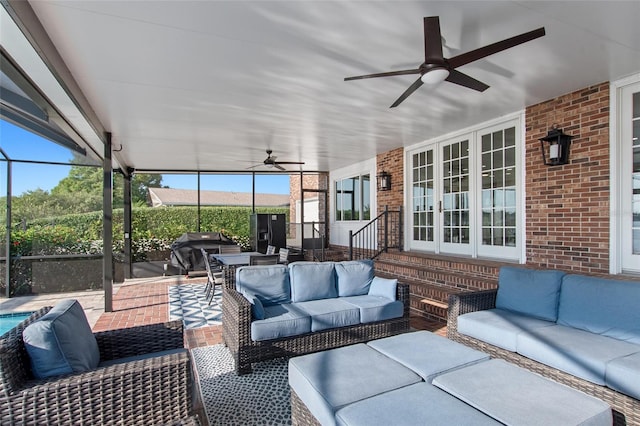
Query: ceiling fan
(270, 162)
(437, 68)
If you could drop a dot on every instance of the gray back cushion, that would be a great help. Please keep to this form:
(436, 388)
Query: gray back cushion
(312, 281)
(603, 306)
(529, 291)
(269, 283)
(61, 342)
(354, 277)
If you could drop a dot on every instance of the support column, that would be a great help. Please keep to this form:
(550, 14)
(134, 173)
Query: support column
(127, 217)
(107, 225)
(7, 272)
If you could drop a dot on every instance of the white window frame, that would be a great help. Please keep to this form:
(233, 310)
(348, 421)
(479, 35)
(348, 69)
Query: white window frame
(360, 198)
(620, 169)
(475, 248)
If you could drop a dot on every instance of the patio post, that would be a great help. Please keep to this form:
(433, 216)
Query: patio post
(107, 222)
(7, 271)
(128, 175)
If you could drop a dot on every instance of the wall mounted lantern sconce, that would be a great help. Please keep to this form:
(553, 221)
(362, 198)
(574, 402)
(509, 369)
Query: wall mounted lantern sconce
(555, 147)
(384, 181)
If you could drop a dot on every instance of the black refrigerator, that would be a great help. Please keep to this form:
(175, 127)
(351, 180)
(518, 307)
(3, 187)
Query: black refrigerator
(268, 229)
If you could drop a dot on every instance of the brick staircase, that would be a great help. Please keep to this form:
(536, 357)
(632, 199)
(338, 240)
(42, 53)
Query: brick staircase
(432, 278)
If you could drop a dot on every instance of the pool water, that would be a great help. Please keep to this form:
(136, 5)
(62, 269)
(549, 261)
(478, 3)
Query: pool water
(8, 321)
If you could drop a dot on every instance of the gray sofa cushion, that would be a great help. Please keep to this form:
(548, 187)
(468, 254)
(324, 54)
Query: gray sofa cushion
(574, 351)
(329, 313)
(327, 381)
(270, 283)
(498, 327)
(529, 291)
(354, 277)
(603, 306)
(514, 395)
(280, 321)
(623, 375)
(376, 308)
(411, 405)
(61, 342)
(426, 353)
(312, 281)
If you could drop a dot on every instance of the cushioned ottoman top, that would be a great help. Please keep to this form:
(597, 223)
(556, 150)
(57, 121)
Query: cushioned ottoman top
(327, 381)
(419, 404)
(426, 353)
(513, 395)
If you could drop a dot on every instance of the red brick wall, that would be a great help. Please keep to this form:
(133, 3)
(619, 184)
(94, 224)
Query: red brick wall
(392, 163)
(567, 206)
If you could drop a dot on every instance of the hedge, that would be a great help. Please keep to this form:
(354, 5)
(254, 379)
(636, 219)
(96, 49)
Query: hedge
(152, 229)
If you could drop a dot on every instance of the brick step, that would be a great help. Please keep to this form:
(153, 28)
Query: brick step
(443, 273)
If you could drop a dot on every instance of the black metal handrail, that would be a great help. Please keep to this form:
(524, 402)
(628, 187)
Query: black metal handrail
(377, 236)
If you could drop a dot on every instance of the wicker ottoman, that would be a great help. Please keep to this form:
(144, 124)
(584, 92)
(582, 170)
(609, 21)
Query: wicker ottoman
(376, 383)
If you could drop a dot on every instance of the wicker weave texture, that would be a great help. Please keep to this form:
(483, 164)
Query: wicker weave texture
(145, 392)
(236, 323)
(626, 410)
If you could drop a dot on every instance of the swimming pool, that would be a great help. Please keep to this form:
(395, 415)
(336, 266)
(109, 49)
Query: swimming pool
(8, 321)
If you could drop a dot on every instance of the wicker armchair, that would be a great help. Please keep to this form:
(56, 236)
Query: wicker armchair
(155, 390)
(626, 410)
(236, 332)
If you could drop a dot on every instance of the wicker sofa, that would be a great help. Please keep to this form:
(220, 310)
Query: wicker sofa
(141, 391)
(297, 286)
(578, 330)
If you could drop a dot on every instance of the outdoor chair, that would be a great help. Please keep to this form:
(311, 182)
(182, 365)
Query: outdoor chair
(214, 276)
(231, 249)
(271, 259)
(143, 377)
(271, 249)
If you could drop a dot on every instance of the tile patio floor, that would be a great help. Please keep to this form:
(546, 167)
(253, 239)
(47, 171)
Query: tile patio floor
(145, 301)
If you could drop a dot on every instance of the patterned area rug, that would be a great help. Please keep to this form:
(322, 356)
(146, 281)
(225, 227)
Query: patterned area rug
(188, 303)
(260, 398)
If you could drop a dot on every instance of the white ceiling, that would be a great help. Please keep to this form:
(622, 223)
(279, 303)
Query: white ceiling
(210, 85)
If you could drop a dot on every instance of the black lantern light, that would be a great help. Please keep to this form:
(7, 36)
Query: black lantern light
(555, 147)
(384, 181)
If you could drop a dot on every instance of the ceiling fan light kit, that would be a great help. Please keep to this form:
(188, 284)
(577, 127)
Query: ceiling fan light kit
(436, 68)
(435, 76)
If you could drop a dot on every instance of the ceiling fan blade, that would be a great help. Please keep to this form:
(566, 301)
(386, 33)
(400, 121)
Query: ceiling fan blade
(407, 92)
(474, 55)
(290, 162)
(278, 166)
(432, 41)
(384, 74)
(462, 79)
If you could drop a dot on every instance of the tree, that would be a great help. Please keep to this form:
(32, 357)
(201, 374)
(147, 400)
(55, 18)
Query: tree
(84, 180)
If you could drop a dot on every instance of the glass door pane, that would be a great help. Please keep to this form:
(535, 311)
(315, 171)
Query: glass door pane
(422, 199)
(455, 208)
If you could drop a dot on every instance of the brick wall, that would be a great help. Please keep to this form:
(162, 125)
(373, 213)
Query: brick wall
(567, 206)
(309, 181)
(391, 162)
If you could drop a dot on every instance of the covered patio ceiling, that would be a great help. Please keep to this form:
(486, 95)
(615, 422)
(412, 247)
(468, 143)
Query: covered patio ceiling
(210, 85)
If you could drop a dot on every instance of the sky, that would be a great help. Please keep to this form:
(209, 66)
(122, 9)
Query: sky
(20, 144)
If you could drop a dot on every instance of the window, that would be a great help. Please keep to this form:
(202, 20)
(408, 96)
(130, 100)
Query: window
(353, 198)
(465, 194)
(625, 172)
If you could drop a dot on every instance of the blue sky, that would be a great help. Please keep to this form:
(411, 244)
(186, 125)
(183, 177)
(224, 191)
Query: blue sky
(20, 144)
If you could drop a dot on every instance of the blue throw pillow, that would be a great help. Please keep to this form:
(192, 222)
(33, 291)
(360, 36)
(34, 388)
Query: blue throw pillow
(354, 277)
(61, 342)
(257, 309)
(384, 287)
(530, 291)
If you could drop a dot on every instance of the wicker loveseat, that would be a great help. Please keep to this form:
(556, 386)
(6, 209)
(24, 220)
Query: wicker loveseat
(146, 391)
(240, 327)
(577, 330)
